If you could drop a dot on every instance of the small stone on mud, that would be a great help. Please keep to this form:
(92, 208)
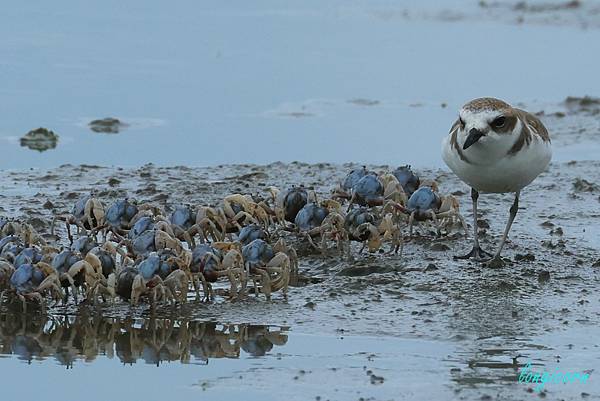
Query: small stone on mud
(48, 205)
(431, 267)
(506, 286)
(543, 276)
(113, 182)
(310, 305)
(527, 257)
(483, 224)
(439, 247)
(596, 263)
(582, 185)
(107, 125)
(547, 224)
(39, 139)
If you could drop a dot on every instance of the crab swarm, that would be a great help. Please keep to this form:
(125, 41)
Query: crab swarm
(137, 252)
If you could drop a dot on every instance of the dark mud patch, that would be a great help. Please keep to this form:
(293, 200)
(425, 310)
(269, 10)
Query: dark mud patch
(107, 125)
(40, 139)
(364, 102)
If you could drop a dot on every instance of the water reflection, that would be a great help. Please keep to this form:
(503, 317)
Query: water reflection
(68, 338)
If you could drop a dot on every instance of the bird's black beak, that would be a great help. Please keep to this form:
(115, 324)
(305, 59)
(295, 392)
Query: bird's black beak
(474, 136)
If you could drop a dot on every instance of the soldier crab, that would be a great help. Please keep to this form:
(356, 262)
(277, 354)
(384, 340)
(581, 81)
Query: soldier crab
(30, 282)
(261, 262)
(426, 204)
(87, 214)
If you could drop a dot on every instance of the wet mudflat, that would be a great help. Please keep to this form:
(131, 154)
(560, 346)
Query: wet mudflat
(479, 325)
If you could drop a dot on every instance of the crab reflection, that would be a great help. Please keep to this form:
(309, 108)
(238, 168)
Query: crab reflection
(152, 341)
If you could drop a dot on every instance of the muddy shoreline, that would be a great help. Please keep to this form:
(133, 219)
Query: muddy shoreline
(543, 303)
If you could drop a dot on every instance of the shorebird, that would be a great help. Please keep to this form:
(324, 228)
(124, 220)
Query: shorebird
(495, 148)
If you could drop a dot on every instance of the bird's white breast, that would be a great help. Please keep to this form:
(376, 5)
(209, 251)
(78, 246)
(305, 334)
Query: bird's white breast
(489, 166)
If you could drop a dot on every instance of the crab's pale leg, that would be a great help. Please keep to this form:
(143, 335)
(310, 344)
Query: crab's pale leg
(411, 222)
(435, 222)
(265, 282)
(206, 287)
(24, 303)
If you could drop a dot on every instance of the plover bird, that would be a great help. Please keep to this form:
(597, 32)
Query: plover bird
(495, 148)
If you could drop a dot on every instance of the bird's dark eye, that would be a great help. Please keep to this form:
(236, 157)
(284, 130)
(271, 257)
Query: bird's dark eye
(499, 122)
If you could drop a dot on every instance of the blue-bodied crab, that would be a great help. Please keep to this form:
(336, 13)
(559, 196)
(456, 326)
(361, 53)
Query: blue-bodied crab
(372, 230)
(157, 275)
(344, 189)
(30, 282)
(367, 188)
(251, 232)
(261, 262)
(87, 214)
(426, 204)
(289, 202)
(73, 270)
(182, 220)
(208, 264)
(148, 280)
(211, 224)
(309, 219)
(407, 178)
(122, 214)
(239, 210)
(151, 240)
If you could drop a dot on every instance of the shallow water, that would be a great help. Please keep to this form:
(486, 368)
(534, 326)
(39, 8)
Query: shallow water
(202, 359)
(215, 83)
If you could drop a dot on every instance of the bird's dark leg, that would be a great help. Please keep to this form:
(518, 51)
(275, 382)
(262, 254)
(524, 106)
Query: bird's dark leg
(477, 253)
(497, 260)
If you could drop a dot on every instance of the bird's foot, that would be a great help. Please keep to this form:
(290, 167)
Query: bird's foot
(476, 253)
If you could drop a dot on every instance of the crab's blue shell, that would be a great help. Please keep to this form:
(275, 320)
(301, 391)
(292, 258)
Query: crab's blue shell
(120, 213)
(149, 266)
(28, 255)
(79, 207)
(407, 178)
(84, 244)
(368, 189)
(310, 216)
(257, 253)
(203, 264)
(144, 243)
(143, 224)
(353, 177)
(250, 233)
(293, 201)
(423, 199)
(183, 217)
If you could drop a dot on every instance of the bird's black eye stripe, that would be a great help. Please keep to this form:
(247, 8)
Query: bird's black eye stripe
(461, 122)
(499, 122)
